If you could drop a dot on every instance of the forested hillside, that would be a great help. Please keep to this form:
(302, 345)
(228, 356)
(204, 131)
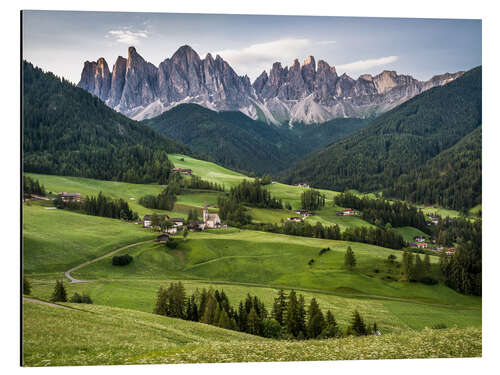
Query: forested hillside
(451, 179)
(397, 142)
(231, 139)
(236, 141)
(67, 131)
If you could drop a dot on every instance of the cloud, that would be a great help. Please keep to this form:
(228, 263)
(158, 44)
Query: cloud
(252, 60)
(362, 66)
(127, 37)
(324, 42)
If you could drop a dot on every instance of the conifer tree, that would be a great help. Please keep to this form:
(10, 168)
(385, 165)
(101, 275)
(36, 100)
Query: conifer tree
(279, 307)
(59, 294)
(161, 307)
(292, 315)
(316, 320)
(357, 325)
(302, 316)
(349, 258)
(253, 323)
(210, 310)
(331, 327)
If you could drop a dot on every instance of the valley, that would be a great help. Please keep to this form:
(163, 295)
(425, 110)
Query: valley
(237, 261)
(269, 189)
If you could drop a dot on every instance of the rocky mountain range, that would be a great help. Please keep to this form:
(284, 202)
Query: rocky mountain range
(307, 93)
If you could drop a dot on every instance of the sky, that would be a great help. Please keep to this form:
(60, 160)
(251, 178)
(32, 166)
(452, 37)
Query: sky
(60, 41)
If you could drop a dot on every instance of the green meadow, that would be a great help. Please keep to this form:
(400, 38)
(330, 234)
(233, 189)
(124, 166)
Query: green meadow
(99, 335)
(119, 328)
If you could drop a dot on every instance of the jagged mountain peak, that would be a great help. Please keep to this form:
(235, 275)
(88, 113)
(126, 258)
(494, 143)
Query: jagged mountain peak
(300, 93)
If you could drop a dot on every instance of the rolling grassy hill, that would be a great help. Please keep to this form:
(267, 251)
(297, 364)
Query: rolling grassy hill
(98, 335)
(56, 240)
(239, 261)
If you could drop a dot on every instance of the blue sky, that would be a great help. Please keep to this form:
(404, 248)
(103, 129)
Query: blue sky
(61, 41)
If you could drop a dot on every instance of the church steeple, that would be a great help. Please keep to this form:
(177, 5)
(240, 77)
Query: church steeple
(205, 212)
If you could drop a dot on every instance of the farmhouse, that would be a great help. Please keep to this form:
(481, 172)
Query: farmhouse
(147, 220)
(177, 221)
(70, 197)
(196, 226)
(346, 212)
(294, 218)
(419, 239)
(210, 220)
(450, 251)
(304, 213)
(162, 237)
(434, 219)
(422, 245)
(303, 184)
(187, 171)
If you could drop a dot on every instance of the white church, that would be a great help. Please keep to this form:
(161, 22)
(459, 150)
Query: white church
(210, 221)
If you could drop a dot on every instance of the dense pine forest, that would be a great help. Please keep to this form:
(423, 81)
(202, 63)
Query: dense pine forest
(67, 131)
(399, 142)
(451, 179)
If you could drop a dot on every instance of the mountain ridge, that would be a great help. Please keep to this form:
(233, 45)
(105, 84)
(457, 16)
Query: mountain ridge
(307, 93)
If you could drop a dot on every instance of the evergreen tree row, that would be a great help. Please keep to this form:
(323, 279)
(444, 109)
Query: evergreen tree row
(311, 199)
(253, 194)
(100, 206)
(380, 211)
(290, 318)
(374, 236)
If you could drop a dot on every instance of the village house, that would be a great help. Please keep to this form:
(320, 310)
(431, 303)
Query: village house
(70, 197)
(450, 251)
(422, 245)
(147, 220)
(346, 212)
(211, 221)
(303, 184)
(434, 219)
(295, 219)
(177, 221)
(196, 226)
(304, 213)
(419, 239)
(185, 171)
(162, 237)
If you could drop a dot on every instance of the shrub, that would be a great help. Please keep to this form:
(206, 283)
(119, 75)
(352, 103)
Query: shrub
(77, 298)
(171, 243)
(26, 286)
(122, 260)
(271, 329)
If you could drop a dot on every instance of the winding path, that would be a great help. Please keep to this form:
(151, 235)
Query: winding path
(73, 280)
(46, 303)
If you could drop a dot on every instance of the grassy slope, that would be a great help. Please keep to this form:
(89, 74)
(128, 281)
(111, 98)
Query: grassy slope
(409, 233)
(391, 316)
(276, 260)
(56, 240)
(97, 335)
